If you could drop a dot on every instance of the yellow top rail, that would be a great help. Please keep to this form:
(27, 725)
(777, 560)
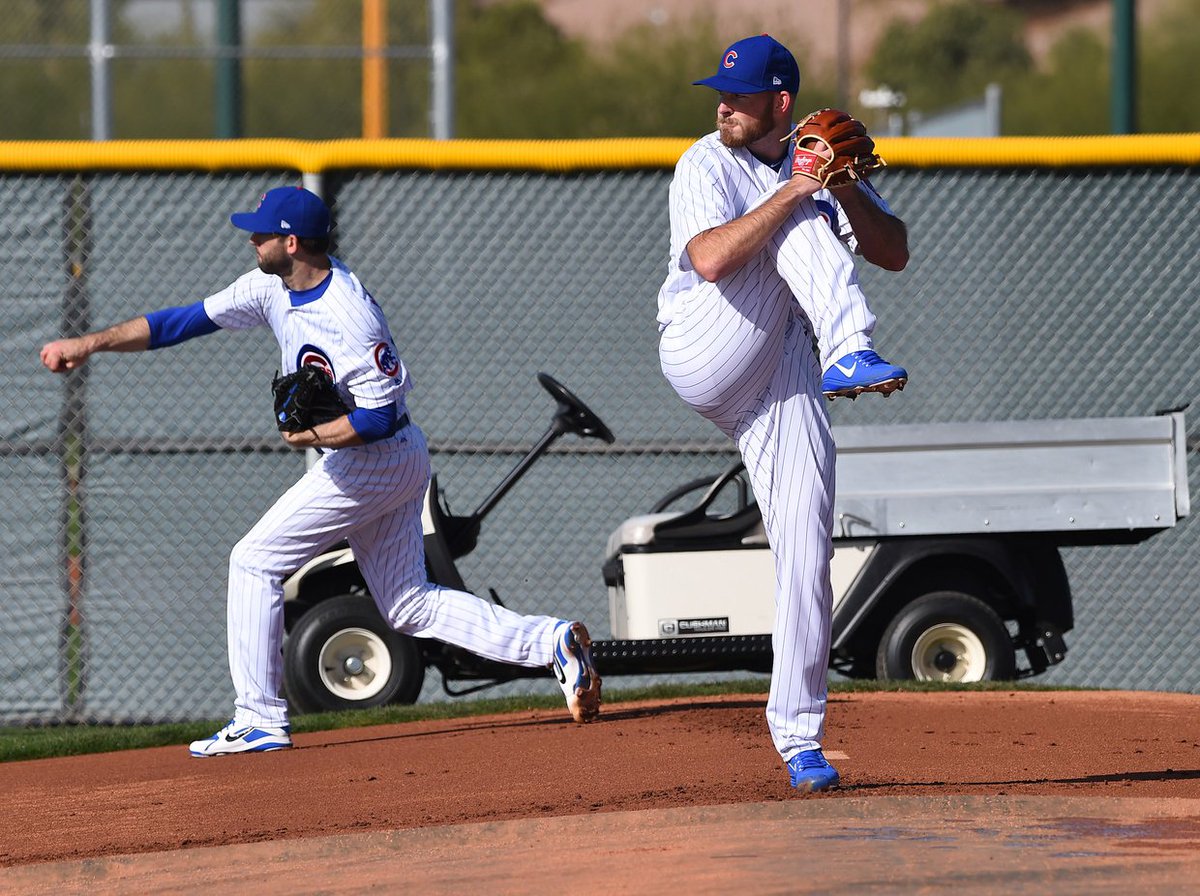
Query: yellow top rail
(561, 156)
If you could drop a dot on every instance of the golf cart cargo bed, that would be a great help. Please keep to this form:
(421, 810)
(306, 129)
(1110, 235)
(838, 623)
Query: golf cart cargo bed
(1072, 477)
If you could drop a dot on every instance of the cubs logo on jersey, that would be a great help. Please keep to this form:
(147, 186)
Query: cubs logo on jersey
(310, 354)
(386, 360)
(828, 212)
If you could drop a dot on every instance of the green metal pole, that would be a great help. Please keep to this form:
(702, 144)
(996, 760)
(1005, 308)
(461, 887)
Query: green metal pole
(229, 69)
(1124, 67)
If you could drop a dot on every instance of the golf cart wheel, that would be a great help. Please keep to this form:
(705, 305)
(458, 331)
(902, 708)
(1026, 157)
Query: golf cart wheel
(946, 636)
(341, 654)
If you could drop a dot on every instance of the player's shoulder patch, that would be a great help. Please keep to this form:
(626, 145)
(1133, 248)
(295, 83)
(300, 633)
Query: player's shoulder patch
(386, 360)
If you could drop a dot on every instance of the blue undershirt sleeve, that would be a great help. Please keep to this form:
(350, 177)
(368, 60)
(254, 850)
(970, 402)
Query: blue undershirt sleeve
(373, 424)
(170, 326)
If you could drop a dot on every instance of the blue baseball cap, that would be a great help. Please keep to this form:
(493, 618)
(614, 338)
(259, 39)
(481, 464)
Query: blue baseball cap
(286, 210)
(756, 65)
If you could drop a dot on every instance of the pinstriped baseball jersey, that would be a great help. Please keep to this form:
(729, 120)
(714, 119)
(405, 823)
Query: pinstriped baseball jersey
(336, 325)
(715, 184)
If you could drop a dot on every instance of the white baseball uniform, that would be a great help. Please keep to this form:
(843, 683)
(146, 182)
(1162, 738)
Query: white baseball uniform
(740, 352)
(371, 495)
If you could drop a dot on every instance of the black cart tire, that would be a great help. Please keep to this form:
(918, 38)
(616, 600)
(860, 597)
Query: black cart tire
(341, 654)
(946, 636)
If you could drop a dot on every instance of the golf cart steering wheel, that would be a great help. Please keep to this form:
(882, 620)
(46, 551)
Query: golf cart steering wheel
(572, 414)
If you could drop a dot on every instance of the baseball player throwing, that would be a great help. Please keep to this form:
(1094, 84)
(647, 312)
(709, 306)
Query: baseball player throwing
(757, 270)
(367, 487)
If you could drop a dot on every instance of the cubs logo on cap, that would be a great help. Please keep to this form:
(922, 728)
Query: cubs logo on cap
(755, 65)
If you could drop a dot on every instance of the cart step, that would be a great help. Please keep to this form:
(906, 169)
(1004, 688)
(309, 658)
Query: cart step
(732, 653)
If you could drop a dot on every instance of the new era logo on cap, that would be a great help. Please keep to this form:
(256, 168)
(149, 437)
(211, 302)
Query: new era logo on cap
(755, 65)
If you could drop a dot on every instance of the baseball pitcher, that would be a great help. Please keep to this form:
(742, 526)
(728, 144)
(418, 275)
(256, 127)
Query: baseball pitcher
(757, 269)
(342, 390)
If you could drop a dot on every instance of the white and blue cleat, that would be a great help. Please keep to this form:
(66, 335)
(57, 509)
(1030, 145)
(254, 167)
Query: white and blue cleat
(234, 738)
(575, 671)
(809, 772)
(862, 371)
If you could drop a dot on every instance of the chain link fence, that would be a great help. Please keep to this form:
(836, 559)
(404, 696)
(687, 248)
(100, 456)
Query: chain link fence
(1031, 293)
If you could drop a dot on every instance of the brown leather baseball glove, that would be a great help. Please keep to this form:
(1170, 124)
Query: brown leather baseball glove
(833, 148)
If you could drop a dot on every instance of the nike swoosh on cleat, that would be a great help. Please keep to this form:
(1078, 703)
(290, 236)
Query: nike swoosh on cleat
(559, 672)
(848, 371)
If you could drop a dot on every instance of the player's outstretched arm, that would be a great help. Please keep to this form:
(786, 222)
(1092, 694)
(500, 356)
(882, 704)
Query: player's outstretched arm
(67, 354)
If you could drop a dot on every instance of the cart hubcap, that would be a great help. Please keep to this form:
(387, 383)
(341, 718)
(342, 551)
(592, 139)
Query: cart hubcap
(949, 652)
(355, 664)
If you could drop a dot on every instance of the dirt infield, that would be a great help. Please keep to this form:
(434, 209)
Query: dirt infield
(1109, 780)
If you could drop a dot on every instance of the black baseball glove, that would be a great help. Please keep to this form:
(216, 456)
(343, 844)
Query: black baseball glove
(306, 398)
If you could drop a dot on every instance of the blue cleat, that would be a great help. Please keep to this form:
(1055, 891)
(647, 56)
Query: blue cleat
(859, 372)
(810, 772)
(575, 671)
(242, 739)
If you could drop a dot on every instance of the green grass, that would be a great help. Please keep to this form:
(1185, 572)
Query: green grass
(75, 740)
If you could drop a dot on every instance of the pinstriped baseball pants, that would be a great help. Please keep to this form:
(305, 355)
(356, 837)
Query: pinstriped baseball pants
(746, 363)
(820, 273)
(371, 495)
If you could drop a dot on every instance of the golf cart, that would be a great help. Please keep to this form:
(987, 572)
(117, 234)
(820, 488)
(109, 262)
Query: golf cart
(946, 561)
